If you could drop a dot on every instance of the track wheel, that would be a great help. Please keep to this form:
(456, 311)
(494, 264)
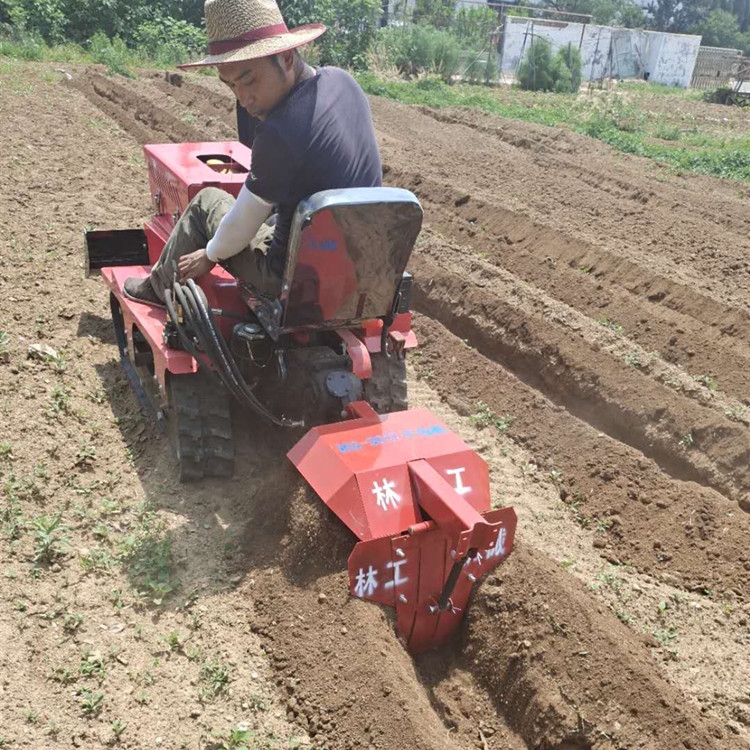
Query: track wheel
(201, 427)
(386, 389)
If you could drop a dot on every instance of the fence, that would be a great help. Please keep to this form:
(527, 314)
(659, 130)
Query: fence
(715, 67)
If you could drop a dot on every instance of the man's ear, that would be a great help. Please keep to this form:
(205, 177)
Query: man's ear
(287, 59)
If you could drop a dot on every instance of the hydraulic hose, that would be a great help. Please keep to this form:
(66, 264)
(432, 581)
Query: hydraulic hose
(201, 321)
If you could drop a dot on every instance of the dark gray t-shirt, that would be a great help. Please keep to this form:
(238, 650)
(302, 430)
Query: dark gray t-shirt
(321, 137)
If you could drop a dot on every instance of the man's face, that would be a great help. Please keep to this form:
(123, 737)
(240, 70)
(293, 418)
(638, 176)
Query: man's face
(259, 85)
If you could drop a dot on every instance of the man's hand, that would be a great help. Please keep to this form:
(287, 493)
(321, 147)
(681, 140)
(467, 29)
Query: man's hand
(193, 265)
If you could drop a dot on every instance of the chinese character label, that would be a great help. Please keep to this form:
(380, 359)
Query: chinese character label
(385, 495)
(499, 549)
(366, 582)
(457, 475)
(398, 578)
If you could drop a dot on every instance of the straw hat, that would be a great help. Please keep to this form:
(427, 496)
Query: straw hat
(248, 29)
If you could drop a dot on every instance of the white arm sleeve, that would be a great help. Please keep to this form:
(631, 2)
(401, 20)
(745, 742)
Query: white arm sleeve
(239, 226)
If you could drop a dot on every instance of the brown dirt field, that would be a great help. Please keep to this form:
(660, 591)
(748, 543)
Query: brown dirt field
(598, 302)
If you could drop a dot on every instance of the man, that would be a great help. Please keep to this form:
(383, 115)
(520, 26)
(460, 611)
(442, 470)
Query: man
(313, 131)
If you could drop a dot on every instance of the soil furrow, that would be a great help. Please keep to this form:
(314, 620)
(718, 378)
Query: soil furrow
(659, 525)
(707, 338)
(138, 116)
(476, 303)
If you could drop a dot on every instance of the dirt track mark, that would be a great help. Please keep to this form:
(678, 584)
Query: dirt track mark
(659, 525)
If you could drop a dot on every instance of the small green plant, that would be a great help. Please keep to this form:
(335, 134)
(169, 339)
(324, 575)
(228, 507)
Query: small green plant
(92, 665)
(687, 441)
(485, 417)
(60, 401)
(86, 455)
(4, 348)
(173, 641)
(96, 560)
(625, 617)
(72, 623)
(214, 678)
(707, 381)
(49, 538)
(63, 675)
(665, 636)
(607, 323)
(736, 413)
(91, 702)
(633, 359)
(6, 452)
(32, 717)
(118, 728)
(142, 698)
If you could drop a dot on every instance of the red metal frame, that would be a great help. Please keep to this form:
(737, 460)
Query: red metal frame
(419, 499)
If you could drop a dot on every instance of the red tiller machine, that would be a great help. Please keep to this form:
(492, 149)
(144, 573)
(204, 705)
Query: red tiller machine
(327, 354)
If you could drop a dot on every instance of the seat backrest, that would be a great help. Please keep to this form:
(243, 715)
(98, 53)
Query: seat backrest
(348, 250)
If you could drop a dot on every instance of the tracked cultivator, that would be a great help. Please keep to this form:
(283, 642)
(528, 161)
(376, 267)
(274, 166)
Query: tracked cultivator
(331, 347)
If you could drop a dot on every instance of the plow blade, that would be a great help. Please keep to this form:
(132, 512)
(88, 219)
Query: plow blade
(419, 499)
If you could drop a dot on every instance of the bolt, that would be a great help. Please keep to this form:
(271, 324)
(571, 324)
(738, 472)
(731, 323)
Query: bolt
(403, 599)
(433, 609)
(454, 555)
(472, 577)
(400, 552)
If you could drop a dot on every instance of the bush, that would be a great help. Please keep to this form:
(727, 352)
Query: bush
(541, 71)
(416, 49)
(536, 72)
(169, 41)
(112, 53)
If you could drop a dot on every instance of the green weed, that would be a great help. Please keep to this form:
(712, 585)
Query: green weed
(214, 679)
(485, 417)
(607, 323)
(118, 728)
(707, 381)
(147, 557)
(91, 702)
(50, 540)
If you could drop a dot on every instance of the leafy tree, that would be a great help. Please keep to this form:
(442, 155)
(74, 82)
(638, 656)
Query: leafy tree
(536, 71)
(352, 27)
(720, 29)
(541, 71)
(677, 16)
(437, 13)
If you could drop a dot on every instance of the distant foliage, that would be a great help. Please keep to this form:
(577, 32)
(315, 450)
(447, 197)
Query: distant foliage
(541, 70)
(473, 26)
(416, 49)
(436, 13)
(352, 27)
(169, 41)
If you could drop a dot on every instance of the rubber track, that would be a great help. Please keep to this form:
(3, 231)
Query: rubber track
(202, 427)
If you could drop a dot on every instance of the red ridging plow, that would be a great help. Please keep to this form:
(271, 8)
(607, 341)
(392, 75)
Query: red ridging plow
(418, 498)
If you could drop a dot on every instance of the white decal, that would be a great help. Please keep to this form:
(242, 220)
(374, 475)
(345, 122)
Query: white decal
(366, 582)
(499, 549)
(398, 580)
(460, 487)
(385, 494)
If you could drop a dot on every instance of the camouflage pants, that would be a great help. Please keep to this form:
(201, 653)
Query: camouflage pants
(197, 225)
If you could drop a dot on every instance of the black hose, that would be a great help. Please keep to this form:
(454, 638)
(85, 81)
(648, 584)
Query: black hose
(200, 317)
(226, 360)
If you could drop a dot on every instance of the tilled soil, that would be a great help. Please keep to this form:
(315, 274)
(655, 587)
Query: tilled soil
(596, 302)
